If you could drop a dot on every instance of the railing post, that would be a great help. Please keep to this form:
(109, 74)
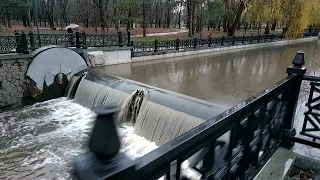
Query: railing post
(177, 45)
(120, 38)
(31, 41)
(233, 40)
(24, 43)
(298, 70)
(104, 157)
(156, 45)
(39, 39)
(84, 40)
(209, 43)
(78, 45)
(222, 39)
(18, 42)
(103, 41)
(259, 37)
(129, 35)
(265, 37)
(251, 39)
(243, 39)
(195, 43)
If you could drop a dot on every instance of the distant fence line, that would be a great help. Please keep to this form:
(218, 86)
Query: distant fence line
(23, 43)
(156, 45)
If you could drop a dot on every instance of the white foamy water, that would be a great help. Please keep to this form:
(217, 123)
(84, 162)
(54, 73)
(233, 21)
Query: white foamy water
(40, 141)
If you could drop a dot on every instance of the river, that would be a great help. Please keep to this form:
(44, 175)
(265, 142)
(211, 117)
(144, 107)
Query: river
(40, 141)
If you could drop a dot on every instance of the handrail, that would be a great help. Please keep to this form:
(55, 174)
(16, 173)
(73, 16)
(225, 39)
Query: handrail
(197, 138)
(311, 78)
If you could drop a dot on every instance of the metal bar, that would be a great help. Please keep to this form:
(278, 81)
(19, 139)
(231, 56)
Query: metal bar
(311, 78)
(314, 137)
(306, 142)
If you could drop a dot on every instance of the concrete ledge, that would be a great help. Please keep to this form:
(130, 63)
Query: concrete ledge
(104, 56)
(15, 56)
(278, 166)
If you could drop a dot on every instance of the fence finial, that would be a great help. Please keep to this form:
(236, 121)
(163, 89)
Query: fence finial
(299, 59)
(298, 62)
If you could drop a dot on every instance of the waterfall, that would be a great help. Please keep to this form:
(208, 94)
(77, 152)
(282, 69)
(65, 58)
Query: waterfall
(161, 124)
(130, 109)
(155, 122)
(71, 88)
(91, 94)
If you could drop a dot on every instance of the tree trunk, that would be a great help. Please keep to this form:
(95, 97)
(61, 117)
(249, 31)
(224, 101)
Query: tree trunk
(51, 19)
(193, 17)
(160, 15)
(267, 29)
(225, 25)
(179, 20)
(144, 29)
(232, 28)
(198, 17)
(274, 25)
(95, 22)
(116, 22)
(168, 14)
(7, 14)
(102, 21)
(189, 17)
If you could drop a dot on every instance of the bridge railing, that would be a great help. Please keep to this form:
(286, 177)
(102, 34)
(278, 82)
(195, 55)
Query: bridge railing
(233, 145)
(310, 131)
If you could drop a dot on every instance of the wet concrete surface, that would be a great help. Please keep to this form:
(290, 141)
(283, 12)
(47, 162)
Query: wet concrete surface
(224, 79)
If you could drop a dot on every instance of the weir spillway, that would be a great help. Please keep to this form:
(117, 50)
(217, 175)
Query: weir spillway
(42, 139)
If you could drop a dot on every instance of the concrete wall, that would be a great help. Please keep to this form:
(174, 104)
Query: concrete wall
(97, 57)
(12, 79)
(187, 54)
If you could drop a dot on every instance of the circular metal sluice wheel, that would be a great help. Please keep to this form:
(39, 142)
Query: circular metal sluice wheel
(51, 70)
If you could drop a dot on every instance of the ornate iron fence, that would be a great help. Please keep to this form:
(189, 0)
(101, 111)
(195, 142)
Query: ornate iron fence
(163, 45)
(233, 145)
(25, 42)
(8, 44)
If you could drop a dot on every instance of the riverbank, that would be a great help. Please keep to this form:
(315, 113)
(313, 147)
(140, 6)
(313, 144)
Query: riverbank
(192, 53)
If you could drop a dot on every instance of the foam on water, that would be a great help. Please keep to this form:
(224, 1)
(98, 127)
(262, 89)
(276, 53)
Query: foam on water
(40, 141)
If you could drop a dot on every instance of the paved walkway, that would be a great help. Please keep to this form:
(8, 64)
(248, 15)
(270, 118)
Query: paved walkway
(164, 34)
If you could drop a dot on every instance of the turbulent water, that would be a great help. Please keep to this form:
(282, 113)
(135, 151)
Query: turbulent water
(40, 141)
(91, 94)
(161, 124)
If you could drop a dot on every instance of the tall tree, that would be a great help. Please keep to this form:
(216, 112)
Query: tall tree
(100, 4)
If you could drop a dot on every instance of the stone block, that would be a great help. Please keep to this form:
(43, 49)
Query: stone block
(124, 56)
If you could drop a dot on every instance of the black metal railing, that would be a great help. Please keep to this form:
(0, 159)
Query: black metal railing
(310, 132)
(256, 128)
(235, 144)
(22, 43)
(168, 45)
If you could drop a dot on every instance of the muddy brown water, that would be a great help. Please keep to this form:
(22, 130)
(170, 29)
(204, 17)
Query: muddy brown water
(225, 78)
